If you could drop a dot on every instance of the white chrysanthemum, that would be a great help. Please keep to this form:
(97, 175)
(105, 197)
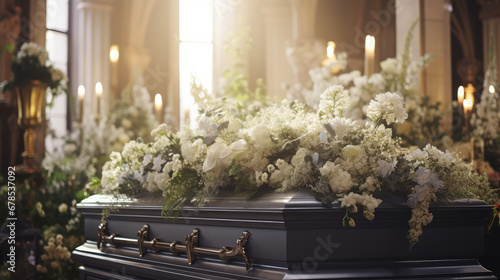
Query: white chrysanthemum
(341, 126)
(389, 107)
(351, 152)
(334, 101)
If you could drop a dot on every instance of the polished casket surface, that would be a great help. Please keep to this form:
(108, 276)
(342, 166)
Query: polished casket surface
(291, 236)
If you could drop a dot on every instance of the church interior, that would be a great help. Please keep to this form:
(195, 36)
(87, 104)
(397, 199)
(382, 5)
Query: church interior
(249, 139)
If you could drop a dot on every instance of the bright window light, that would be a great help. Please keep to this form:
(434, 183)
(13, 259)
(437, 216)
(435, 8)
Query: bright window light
(195, 52)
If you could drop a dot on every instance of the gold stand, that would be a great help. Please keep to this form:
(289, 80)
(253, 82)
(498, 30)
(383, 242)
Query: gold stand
(30, 104)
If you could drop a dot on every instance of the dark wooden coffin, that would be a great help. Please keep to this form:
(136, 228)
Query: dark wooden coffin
(278, 236)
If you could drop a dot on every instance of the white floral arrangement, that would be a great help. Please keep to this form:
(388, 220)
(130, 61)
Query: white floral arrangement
(397, 76)
(286, 146)
(32, 63)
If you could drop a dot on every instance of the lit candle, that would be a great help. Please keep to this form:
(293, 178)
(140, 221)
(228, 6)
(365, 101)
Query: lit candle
(460, 99)
(492, 89)
(81, 97)
(330, 51)
(469, 94)
(98, 93)
(468, 103)
(369, 55)
(158, 108)
(114, 55)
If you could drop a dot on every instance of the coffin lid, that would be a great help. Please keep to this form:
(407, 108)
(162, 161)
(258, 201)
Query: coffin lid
(278, 210)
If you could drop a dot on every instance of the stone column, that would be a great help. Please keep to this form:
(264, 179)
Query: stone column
(278, 22)
(92, 41)
(136, 54)
(304, 52)
(490, 15)
(432, 35)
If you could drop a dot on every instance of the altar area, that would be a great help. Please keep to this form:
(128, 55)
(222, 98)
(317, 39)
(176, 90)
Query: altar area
(250, 139)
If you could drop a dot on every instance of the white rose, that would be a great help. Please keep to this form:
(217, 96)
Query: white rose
(63, 208)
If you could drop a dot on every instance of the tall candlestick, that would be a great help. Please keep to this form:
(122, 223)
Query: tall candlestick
(114, 55)
(460, 99)
(158, 108)
(81, 97)
(98, 93)
(369, 55)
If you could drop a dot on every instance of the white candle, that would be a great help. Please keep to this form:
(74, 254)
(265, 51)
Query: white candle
(460, 99)
(114, 55)
(158, 108)
(98, 93)
(369, 55)
(330, 51)
(81, 97)
(469, 94)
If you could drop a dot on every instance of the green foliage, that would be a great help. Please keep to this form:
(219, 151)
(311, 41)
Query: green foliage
(238, 86)
(181, 190)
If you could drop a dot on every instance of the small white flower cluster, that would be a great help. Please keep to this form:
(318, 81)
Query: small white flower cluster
(389, 107)
(35, 51)
(55, 254)
(333, 102)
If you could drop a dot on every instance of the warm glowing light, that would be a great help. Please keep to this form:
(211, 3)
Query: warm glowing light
(492, 89)
(460, 95)
(330, 50)
(370, 43)
(158, 102)
(468, 103)
(369, 55)
(114, 53)
(98, 89)
(469, 92)
(81, 92)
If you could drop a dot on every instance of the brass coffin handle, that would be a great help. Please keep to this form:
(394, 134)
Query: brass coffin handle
(191, 247)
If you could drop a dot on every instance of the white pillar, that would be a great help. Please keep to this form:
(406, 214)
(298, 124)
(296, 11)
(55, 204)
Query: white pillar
(491, 31)
(304, 52)
(93, 22)
(229, 15)
(431, 35)
(278, 22)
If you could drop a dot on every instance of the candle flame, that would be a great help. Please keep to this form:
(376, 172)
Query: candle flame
(492, 89)
(370, 42)
(98, 89)
(158, 102)
(81, 92)
(114, 53)
(330, 50)
(460, 94)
